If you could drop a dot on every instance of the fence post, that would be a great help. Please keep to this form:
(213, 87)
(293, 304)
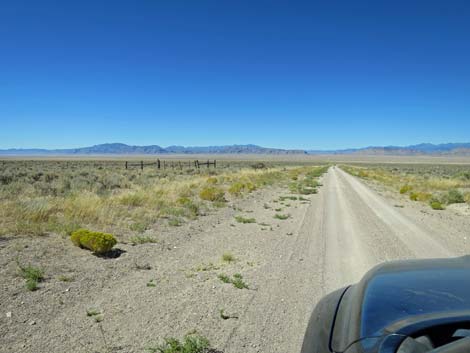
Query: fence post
(158, 163)
(214, 163)
(142, 165)
(126, 164)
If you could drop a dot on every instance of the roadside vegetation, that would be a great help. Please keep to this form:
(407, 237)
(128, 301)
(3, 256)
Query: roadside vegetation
(191, 343)
(41, 197)
(438, 186)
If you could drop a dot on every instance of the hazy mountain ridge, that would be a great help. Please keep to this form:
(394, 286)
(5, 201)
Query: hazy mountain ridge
(122, 149)
(457, 149)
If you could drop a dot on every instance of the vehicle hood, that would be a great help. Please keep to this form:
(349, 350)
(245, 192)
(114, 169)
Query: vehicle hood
(395, 295)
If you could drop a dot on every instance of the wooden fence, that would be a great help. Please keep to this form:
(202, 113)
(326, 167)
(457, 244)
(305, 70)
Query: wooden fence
(158, 164)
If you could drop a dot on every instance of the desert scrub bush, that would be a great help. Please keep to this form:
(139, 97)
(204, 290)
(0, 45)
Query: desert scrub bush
(454, 196)
(405, 188)
(134, 199)
(228, 257)
(32, 275)
(212, 194)
(224, 278)
(236, 280)
(241, 219)
(190, 207)
(97, 242)
(237, 188)
(420, 196)
(191, 344)
(436, 204)
(37, 210)
(281, 216)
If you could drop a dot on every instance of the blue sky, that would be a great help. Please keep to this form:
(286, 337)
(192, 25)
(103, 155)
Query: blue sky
(288, 74)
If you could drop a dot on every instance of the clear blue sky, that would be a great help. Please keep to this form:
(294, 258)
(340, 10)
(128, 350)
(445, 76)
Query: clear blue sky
(289, 74)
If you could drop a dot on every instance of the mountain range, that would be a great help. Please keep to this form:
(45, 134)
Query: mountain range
(457, 149)
(123, 149)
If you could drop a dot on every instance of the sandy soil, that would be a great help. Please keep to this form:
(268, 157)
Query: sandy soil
(328, 242)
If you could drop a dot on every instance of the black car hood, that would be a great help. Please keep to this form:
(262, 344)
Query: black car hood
(394, 297)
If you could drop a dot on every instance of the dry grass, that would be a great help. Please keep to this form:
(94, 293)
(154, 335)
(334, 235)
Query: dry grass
(437, 185)
(40, 197)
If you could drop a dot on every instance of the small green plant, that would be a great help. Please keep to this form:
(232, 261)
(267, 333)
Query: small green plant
(212, 194)
(32, 275)
(405, 188)
(228, 257)
(224, 278)
(192, 343)
(436, 205)
(92, 312)
(225, 316)
(238, 282)
(241, 219)
(420, 196)
(151, 283)
(278, 209)
(97, 242)
(281, 216)
(292, 198)
(222, 314)
(138, 227)
(142, 239)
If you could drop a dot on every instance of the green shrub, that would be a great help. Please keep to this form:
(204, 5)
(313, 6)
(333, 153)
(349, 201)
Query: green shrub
(454, 196)
(224, 278)
(281, 216)
(190, 344)
(436, 205)
(32, 275)
(405, 188)
(238, 187)
(97, 242)
(238, 282)
(420, 196)
(228, 257)
(212, 194)
(241, 219)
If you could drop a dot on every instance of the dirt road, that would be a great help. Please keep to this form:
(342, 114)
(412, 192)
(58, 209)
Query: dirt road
(288, 265)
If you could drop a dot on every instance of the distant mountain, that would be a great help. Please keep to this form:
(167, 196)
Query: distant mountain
(446, 149)
(123, 149)
(458, 149)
